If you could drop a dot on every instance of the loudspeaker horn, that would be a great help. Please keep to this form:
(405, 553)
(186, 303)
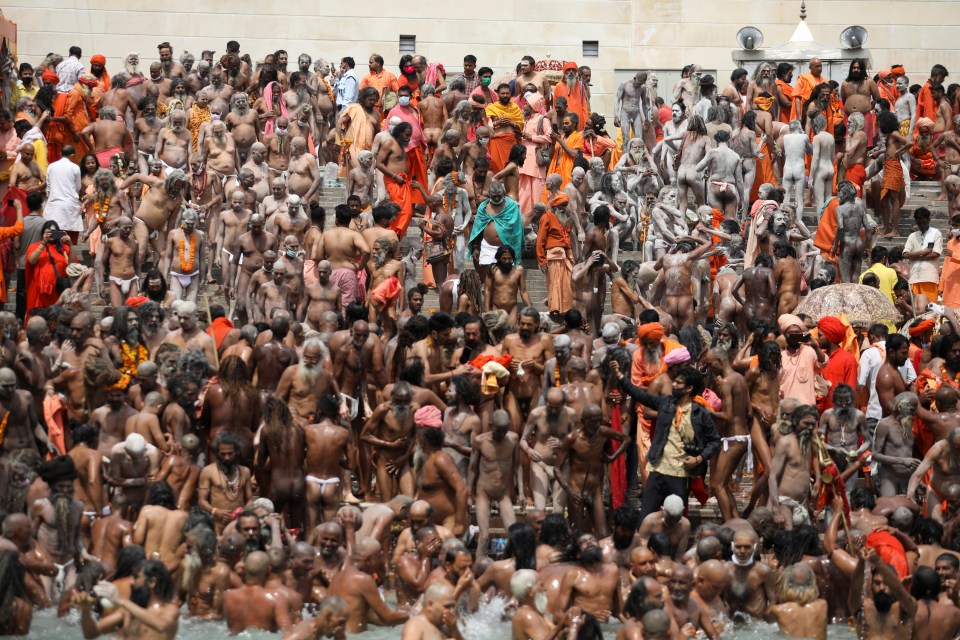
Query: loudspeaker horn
(853, 37)
(749, 38)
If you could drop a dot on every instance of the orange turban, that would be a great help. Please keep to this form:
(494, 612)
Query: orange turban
(136, 301)
(87, 82)
(98, 59)
(651, 331)
(559, 199)
(49, 77)
(922, 328)
(832, 329)
(567, 66)
(897, 70)
(925, 124)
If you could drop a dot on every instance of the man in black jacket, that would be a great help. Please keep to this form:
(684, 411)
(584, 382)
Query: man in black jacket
(684, 438)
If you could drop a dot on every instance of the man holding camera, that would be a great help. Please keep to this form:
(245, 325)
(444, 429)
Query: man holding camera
(802, 359)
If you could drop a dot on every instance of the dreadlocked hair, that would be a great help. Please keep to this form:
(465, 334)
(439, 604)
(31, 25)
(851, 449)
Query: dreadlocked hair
(277, 422)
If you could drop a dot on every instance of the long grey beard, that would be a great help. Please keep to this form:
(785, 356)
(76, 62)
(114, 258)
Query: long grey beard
(805, 437)
(192, 566)
(765, 84)
(309, 374)
(16, 501)
(62, 505)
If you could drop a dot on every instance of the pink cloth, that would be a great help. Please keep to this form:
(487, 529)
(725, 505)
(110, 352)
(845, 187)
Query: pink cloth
(677, 356)
(532, 177)
(434, 71)
(349, 285)
(428, 416)
(797, 375)
(310, 273)
(411, 116)
(268, 96)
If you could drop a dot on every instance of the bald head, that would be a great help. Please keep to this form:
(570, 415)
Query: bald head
(257, 564)
(36, 328)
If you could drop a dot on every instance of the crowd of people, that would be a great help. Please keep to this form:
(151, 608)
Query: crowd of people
(216, 406)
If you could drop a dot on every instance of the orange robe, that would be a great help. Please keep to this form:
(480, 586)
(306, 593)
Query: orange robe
(73, 107)
(577, 101)
(805, 84)
(950, 276)
(562, 163)
(787, 90)
(926, 106)
(765, 173)
(827, 230)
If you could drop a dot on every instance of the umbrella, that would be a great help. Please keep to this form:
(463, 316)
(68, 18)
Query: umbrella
(551, 69)
(863, 305)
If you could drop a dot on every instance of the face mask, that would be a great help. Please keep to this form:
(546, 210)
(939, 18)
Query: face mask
(483, 140)
(496, 199)
(214, 116)
(955, 233)
(528, 96)
(408, 69)
(291, 253)
(485, 81)
(403, 100)
(282, 130)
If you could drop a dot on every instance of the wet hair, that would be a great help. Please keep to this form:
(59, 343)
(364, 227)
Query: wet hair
(769, 357)
(441, 321)
(635, 605)
(165, 588)
(626, 517)
(161, 494)
(554, 531)
(503, 250)
(413, 373)
(690, 338)
(862, 498)
(887, 122)
(659, 543)
(432, 436)
(764, 260)
(468, 390)
(522, 546)
(925, 584)
(11, 587)
(129, 560)
(929, 531)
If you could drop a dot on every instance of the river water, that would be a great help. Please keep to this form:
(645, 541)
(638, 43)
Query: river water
(487, 624)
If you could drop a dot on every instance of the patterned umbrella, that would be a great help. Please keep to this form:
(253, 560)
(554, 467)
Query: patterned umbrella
(552, 69)
(863, 305)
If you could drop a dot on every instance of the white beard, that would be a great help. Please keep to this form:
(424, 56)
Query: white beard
(540, 602)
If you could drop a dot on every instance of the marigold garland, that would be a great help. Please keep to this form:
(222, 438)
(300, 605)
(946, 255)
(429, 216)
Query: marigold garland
(186, 268)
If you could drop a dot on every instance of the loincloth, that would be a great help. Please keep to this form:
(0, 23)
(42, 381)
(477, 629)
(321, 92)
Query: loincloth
(349, 282)
(800, 513)
(185, 279)
(323, 483)
(124, 284)
(726, 446)
(488, 252)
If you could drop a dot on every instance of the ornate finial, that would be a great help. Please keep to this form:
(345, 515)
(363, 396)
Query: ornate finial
(803, 10)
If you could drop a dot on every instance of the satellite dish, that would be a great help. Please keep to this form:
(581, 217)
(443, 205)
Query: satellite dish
(749, 38)
(853, 37)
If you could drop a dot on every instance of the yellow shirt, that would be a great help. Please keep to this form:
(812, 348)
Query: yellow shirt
(888, 278)
(674, 453)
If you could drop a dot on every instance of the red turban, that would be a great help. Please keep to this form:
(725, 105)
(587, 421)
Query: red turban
(651, 331)
(98, 59)
(922, 328)
(428, 416)
(136, 301)
(87, 82)
(49, 77)
(559, 199)
(832, 329)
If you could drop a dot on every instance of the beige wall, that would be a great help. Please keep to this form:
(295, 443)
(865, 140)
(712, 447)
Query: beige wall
(658, 34)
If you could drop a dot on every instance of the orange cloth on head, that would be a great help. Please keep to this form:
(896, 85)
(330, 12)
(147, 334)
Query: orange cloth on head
(888, 92)
(562, 163)
(922, 328)
(400, 194)
(559, 199)
(892, 176)
(787, 91)
(926, 105)
(551, 235)
(499, 150)
(651, 331)
(832, 329)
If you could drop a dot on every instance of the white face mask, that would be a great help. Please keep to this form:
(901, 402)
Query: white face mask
(746, 563)
(483, 140)
(528, 96)
(403, 100)
(955, 233)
